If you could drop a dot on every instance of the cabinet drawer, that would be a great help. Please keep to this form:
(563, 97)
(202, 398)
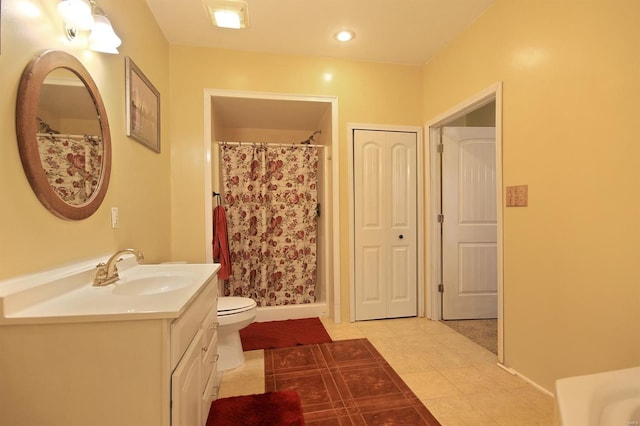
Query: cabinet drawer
(185, 327)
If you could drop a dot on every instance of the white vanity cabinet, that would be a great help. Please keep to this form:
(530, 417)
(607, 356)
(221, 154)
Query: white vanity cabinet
(147, 368)
(194, 358)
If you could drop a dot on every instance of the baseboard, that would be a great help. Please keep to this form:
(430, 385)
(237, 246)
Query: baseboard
(278, 313)
(526, 379)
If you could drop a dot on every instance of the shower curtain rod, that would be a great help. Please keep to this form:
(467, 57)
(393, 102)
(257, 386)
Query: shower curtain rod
(61, 135)
(277, 145)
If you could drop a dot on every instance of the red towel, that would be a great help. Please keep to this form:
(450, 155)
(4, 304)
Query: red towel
(221, 242)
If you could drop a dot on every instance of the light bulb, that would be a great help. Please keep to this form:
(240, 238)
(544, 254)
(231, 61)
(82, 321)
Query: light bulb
(76, 14)
(103, 38)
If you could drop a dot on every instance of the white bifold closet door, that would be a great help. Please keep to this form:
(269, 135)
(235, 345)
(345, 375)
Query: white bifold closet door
(385, 185)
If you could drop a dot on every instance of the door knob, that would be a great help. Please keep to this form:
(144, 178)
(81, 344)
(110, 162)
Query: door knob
(401, 236)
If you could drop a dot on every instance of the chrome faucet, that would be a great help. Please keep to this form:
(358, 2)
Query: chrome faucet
(107, 273)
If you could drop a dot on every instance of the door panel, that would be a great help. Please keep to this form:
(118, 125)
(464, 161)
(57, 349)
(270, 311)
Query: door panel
(385, 224)
(373, 293)
(469, 229)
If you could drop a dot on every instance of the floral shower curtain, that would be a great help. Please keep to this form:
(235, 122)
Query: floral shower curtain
(73, 165)
(271, 198)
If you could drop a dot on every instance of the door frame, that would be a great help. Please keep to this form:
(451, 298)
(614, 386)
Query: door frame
(332, 268)
(434, 239)
(419, 204)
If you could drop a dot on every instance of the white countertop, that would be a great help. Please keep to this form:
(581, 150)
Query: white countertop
(67, 294)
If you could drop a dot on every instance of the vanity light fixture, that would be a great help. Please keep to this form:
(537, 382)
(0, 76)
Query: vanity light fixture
(85, 15)
(103, 38)
(344, 36)
(76, 15)
(228, 13)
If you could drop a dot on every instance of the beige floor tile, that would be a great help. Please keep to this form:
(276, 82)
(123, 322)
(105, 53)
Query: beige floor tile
(502, 378)
(403, 362)
(458, 411)
(375, 329)
(469, 380)
(430, 385)
(477, 356)
(510, 408)
(248, 379)
(432, 327)
(543, 404)
(343, 331)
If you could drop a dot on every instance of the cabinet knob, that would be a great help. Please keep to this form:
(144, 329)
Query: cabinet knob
(401, 236)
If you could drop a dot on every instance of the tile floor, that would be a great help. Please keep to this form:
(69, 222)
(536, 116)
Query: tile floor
(455, 378)
(345, 382)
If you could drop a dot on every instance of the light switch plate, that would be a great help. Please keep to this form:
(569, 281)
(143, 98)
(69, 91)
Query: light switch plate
(518, 196)
(115, 218)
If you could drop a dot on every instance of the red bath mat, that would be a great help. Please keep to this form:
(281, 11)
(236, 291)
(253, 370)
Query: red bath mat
(283, 334)
(281, 408)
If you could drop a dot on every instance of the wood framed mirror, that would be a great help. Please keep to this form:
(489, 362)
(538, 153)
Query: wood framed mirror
(63, 135)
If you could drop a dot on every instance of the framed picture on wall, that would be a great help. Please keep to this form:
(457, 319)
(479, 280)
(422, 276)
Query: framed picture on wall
(143, 107)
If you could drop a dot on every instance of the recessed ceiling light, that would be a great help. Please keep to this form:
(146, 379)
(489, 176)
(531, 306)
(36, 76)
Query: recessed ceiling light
(228, 13)
(344, 36)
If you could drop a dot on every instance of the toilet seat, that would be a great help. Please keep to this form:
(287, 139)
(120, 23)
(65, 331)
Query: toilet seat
(234, 305)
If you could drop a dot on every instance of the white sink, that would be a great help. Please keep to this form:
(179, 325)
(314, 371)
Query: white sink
(66, 294)
(151, 285)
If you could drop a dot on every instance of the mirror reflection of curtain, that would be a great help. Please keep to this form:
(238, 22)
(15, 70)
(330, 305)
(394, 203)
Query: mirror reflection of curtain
(73, 165)
(271, 197)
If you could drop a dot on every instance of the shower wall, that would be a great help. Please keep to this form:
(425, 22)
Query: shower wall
(244, 134)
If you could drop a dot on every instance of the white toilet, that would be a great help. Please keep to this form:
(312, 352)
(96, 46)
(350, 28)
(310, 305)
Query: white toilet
(234, 314)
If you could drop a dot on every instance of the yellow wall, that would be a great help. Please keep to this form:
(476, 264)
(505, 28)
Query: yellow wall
(31, 238)
(571, 84)
(571, 73)
(367, 93)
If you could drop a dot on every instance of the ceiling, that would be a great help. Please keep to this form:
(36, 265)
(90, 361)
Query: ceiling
(391, 31)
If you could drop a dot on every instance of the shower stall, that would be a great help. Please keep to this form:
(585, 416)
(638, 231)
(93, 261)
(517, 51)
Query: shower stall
(272, 170)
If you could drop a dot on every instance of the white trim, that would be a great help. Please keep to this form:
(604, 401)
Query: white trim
(285, 312)
(208, 199)
(526, 379)
(420, 206)
(334, 190)
(493, 92)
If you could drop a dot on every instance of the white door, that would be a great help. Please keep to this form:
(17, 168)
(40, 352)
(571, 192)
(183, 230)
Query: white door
(385, 224)
(469, 253)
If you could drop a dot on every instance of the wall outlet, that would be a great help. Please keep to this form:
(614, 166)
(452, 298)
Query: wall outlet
(115, 218)
(518, 196)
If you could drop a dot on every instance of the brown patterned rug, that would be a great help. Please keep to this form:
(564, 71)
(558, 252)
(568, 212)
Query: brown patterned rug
(346, 382)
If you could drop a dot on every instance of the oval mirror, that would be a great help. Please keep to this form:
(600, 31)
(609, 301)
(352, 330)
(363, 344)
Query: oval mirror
(63, 135)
